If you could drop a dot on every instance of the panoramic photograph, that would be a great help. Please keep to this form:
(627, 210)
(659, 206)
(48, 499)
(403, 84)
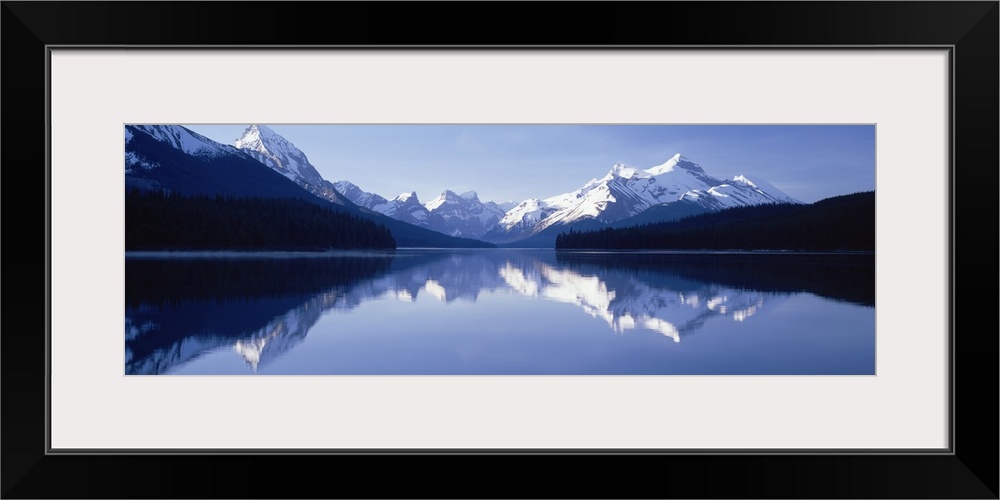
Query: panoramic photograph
(482, 249)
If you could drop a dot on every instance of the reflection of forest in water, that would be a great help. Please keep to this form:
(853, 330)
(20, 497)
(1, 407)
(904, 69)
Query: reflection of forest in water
(842, 277)
(177, 309)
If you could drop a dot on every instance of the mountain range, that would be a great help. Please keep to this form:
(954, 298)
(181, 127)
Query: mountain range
(450, 213)
(625, 195)
(175, 158)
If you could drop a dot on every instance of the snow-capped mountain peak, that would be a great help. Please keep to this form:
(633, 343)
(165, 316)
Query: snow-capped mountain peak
(404, 197)
(258, 133)
(405, 207)
(676, 164)
(625, 191)
(449, 213)
(764, 187)
(668, 166)
(175, 136)
(624, 171)
(279, 154)
(446, 197)
(742, 190)
(358, 196)
(463, 214)
(273, 150)
(449, 197)
(181, 138)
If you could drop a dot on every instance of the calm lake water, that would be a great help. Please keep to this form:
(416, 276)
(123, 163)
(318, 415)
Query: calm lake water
(519, 312)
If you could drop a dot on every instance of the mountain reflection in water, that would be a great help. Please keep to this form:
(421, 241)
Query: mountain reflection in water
(260, 308)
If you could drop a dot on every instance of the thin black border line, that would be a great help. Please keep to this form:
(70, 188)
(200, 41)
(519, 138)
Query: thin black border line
(948, 450)
(489, 451)
(951, 249)
(609, 48)
(48, 250)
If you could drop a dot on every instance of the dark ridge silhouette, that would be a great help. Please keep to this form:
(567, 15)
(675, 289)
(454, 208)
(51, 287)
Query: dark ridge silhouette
(160, 221)
(228, 175)
(842, 223)
(238, 175)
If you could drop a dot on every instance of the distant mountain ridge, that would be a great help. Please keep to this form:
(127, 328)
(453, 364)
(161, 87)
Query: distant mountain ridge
(626, 192)
(273, 150)
(675, 188)
(456, 216)
(461, 215)
(838, 224)
(266, 146)
(624, 196)
(174, 159)
(171, 158)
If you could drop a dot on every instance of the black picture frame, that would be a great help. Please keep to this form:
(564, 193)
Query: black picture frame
(969, 470)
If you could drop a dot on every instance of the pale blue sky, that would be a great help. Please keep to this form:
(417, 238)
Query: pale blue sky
(515, 162)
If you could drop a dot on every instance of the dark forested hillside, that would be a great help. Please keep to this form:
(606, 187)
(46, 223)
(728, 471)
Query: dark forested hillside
(842, 223)
(162, 167)
(158, 221)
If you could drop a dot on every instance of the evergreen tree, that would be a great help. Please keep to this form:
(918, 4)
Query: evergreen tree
(164, 221)
(842, 223)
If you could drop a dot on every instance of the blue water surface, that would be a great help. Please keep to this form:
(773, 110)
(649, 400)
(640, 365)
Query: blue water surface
(500, 312)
